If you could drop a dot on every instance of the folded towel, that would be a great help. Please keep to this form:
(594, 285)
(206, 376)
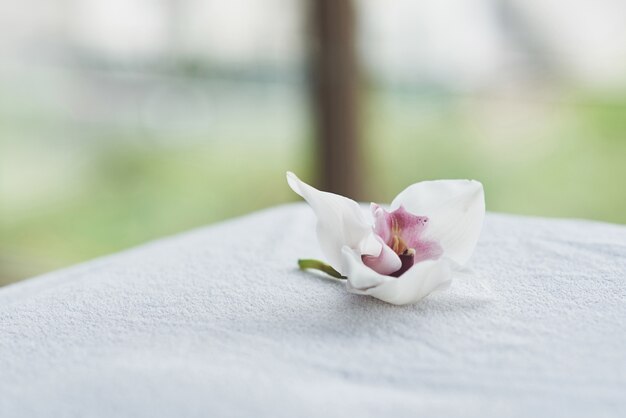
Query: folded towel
(220, 322)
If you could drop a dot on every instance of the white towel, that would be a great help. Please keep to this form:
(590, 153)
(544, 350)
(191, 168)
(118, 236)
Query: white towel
(219, 322)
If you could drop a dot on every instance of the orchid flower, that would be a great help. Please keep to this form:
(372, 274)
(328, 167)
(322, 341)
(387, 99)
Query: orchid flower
(403, 254)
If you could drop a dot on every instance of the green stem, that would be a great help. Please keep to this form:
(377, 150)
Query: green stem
(305, 264)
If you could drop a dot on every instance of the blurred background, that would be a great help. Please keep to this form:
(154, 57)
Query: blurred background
(126, 120)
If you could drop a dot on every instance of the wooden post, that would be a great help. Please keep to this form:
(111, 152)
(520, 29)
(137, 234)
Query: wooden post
(335, 96)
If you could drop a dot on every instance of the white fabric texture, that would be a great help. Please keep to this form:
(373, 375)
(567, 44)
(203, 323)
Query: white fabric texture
(219, 322)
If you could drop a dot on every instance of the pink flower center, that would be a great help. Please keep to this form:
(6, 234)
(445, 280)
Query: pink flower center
(402, 233)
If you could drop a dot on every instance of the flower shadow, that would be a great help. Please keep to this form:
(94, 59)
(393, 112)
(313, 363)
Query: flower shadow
(433, 303)
(448, 300)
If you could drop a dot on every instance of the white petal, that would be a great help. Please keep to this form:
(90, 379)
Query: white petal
(418, 282)
(455, 209)
(387, 262)
(360, 277)
(340, 222)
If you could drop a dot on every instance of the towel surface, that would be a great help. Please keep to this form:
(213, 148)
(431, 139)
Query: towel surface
(219, 322)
